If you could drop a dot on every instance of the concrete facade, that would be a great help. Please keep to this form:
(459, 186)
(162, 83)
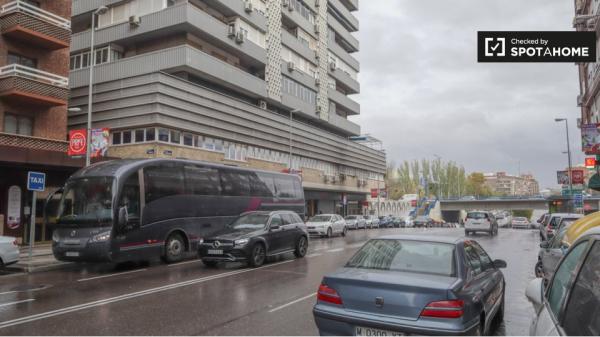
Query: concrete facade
(219, 81)
(506, 185)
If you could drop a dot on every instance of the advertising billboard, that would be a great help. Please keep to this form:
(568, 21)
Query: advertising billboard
(590, 138)
(577, 177)
(99, 142)
(562, 177)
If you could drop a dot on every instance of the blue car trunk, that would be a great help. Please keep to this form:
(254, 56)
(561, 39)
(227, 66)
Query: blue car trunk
(404, 294)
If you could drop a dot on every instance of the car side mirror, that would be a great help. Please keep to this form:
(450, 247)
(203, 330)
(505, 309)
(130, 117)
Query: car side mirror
(123, 216)
(544, 244)
(274, 227)
(499, 264)
(535, 292)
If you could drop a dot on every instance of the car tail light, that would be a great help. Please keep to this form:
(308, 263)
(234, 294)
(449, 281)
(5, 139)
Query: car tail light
(329, 295)
(444, 309)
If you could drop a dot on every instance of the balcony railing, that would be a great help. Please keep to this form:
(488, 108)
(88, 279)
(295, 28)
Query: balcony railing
(24, 7)
(34, 74)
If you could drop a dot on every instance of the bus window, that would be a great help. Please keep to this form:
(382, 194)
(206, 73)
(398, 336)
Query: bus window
(163, 181)
(130, 196)
(235, 183)
(259, 187)
(201, 180)
(298, 189)
(285, 187)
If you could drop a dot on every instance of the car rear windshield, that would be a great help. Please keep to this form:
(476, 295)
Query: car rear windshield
(350, 217)
(321, 218)
(476, 215)
(520, 219)
(405, 255)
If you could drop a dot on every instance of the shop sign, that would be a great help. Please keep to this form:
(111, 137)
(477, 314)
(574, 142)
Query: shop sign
(77, 142)
(13, 213)
(577, 177)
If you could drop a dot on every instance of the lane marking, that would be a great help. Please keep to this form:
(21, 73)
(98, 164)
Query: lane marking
(314, 255)
(292, 302)
(17, 302)
(185, 262)
(111, 275)
(335, 250)
(9, 292)
(57, 312)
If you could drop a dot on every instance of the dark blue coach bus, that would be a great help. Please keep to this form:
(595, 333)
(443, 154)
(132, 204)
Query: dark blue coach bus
(127, 210)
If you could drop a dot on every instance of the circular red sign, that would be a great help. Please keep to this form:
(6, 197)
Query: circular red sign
(77, 143)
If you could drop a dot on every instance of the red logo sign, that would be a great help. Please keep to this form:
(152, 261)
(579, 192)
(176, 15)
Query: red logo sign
(77, 142)
(577, 177)
(374, 193)
(590, 162)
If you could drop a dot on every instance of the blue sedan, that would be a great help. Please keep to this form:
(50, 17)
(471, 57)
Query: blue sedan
(413, 284)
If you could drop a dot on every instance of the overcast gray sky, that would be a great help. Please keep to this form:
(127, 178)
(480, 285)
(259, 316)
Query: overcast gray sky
(423, 92)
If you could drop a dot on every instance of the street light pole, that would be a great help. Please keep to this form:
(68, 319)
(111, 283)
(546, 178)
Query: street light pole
(88, 155)
(569, 157)
(290, 140)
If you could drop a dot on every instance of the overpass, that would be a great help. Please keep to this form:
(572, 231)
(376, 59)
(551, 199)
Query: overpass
(495, 203)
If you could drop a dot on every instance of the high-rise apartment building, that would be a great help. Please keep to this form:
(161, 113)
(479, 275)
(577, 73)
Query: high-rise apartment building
(589, 79)
(34, 88)
(238, 82)
(505, 184)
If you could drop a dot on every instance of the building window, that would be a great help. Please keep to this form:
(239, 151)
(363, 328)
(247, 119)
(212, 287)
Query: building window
(188, 139)
(139, 136)
(297, 90)
(126, 137)
(163, 135)
(116, 138)
(21, 60)
(103, 55)
(121, 13)
(150, 135)
(175, 137)
(18, 125)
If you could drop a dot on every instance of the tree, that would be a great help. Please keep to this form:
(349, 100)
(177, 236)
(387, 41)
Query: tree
(475, 185)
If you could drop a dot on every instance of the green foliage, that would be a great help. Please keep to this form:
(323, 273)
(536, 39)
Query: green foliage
(527, 213)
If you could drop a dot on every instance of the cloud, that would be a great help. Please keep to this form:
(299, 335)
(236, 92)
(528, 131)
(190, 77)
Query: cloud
(423, 92)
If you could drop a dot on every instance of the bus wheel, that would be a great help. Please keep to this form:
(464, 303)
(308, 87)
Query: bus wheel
(174, 248)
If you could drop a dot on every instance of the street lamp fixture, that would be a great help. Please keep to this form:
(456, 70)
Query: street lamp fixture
(101, 10)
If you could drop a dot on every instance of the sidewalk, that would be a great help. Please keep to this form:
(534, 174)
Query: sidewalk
(41, 260)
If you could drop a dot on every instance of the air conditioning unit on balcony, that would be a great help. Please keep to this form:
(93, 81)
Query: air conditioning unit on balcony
(135, 21)
(332, 66)
(579, 100)
(291, 66)
(291, 7)
(248, 6)
(317, 3)
(231, 30)
(317, 30)
(239, 37)
(262, 104)
(319, 110)
(318, 82)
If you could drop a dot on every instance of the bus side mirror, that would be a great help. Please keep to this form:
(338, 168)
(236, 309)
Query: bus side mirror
(123, 216)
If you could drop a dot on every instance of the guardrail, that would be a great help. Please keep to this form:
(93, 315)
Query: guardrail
(22, 6)
(34, 74)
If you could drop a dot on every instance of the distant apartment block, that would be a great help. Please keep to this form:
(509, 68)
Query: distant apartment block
(505, 184)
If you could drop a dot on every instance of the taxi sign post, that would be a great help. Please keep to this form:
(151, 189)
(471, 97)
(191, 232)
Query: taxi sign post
(36, 182)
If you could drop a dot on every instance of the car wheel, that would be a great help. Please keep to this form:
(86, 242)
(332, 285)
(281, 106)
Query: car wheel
(174, 248)
(210, 264)
(329, 232)
(301, 247)
(258, 256)
(344, 231)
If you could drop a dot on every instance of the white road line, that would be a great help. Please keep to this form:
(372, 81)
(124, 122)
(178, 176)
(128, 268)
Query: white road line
(335, 250)
(186, 262)
(292, 302)
(110, 275)
(8, 292)
(314, 255)
(57, 312)
(17, 302)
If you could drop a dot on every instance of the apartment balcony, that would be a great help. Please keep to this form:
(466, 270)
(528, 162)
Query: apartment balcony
(183, 17)
(349, 21)
(294, 44)
(352, 5)
(347, 104)
(238, 8)
(184, 58)
(343, 54)
(351, 42)
(37, 27)
(298, 76)
(85, 6)
(33, 86)
(292, 18)
(343, 125)
(351, 85)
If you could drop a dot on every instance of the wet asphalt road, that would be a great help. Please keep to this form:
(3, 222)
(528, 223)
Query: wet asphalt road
(189, 299)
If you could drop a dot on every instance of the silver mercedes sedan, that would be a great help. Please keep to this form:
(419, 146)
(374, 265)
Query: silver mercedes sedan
(413, 284)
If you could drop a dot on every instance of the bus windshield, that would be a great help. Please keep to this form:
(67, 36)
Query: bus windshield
(85, 201)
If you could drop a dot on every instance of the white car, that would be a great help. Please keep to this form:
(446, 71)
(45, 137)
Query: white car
(570, 305)
(326, 225)
(9, 250)
(481, 221)
(520, 222)
(372, 221)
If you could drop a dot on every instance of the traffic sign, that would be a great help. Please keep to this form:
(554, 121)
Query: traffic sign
(36, 181)
(590, 162)
(578, 200)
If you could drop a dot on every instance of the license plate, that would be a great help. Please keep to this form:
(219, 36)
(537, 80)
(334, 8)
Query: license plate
(72, 254)
(215, 252)
(362, 331)
(71, 241)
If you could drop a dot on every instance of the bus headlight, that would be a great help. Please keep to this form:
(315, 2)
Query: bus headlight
(100, 237)
(241, 242)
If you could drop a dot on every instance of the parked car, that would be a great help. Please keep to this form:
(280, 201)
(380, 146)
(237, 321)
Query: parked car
(409, 222)
(326, 225)
(412, 284)
(385, 221)
(504, 221)
(570, 305)
(481, 221)
(551, 224)
(552, 251)
(254, 236)
(398, 222)
(355, 221)
(9, 250)
(423, 221)
(372, 221)
(520, 222)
